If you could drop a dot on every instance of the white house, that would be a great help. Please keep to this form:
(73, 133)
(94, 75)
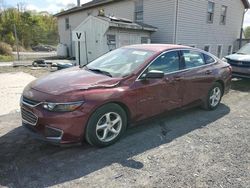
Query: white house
(212, 25)
(97, 35)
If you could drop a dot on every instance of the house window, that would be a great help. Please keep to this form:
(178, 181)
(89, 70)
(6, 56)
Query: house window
(207, 48)
(210, 12)
(219, 51)
(139, 11)
(230, 48)
(144, 40)
(223, 15)
(111, 40)
(67, 23)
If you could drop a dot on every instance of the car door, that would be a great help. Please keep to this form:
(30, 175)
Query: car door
(197, 76)
(158, 95)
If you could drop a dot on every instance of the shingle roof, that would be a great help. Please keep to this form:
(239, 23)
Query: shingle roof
(246, 4)
(96, 3)
(91, 4)
(125, 23)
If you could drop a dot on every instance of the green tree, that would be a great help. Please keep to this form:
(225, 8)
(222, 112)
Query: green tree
(247, 32)
(32, 28)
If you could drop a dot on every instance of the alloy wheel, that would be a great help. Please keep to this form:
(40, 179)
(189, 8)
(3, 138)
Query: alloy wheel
(108, 127)
(215, 96)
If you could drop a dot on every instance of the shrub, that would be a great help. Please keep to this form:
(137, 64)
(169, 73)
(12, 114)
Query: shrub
(5, 49)
(4, 58)
(21, 49)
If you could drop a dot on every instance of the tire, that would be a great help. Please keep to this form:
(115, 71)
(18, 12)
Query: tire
(106, 125)
(213, 97)
(34, 64)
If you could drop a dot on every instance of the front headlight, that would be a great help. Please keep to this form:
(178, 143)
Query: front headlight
(224, 59)
(62, 107)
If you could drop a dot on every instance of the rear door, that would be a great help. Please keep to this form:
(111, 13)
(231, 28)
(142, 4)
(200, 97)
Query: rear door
(197, 76)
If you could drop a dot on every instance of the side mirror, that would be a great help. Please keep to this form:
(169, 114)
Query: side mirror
(153, 74)
(234, 52)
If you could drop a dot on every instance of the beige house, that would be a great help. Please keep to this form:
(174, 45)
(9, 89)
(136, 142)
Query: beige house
(212, 25)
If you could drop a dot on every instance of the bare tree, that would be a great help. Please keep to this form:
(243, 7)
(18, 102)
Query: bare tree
(21, 6)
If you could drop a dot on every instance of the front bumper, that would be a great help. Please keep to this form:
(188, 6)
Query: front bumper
(35, 134)
(242, 72)
(56, 128)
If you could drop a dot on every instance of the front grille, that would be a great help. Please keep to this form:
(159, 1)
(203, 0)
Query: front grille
(29, 117)
(30, 102)
(239, 63)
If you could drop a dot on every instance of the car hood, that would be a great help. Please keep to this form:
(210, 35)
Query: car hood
(238, 57)
(72, 79)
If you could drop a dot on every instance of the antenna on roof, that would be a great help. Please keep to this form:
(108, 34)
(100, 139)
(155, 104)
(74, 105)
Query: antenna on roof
(78, 3)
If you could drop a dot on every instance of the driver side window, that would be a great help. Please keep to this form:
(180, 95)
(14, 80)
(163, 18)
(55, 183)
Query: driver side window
(167, 63)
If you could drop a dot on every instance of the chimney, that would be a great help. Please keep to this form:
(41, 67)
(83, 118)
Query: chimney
(78, 3)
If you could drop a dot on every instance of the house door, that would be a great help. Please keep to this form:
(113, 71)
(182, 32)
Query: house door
(124, 39)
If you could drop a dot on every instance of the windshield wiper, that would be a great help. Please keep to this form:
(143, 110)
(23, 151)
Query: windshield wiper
(241, 53)
(101, 71)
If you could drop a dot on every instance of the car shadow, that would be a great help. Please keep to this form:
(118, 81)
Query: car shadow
(25, 162)
(241, 84)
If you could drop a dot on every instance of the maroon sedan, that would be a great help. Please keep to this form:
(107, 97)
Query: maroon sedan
(98, 101)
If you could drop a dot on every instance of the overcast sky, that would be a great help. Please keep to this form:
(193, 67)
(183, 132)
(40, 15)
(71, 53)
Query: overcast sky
(54, 6)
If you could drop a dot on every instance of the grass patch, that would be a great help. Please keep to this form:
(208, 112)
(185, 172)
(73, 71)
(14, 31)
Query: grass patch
(4, 58)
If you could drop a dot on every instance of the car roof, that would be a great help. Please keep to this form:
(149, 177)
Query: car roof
(157, 47)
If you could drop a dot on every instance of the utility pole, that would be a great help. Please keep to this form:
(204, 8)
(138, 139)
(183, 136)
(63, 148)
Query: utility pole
(242, 30)
(17, 45)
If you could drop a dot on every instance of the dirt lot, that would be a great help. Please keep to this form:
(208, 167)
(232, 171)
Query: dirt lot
(191, 148)
(36, 72)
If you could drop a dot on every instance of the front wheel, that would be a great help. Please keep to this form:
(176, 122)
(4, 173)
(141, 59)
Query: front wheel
(106, 125)
(214, 97)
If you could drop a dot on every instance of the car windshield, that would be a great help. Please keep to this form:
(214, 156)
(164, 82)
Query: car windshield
(245, 50)
(120, 62)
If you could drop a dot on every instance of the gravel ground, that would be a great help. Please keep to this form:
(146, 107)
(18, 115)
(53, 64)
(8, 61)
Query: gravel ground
(12, 83)
(191, 148)
(11, 88)
(36, 72)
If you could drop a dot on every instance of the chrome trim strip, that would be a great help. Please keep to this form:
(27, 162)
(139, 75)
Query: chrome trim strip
(30, 105)
(25, 121)
(55, 138)
(76, 102)
(182, 70)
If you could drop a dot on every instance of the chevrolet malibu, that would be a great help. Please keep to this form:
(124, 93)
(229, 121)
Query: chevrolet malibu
(97, 102)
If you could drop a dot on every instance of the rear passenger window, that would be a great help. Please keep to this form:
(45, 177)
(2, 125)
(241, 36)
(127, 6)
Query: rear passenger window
(208, 59)
(168, 62)
(193, 59)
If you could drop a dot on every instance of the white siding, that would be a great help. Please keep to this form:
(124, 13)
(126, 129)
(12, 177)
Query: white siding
(160, 14)
(192, 26)
(194, 29)
(123, 9)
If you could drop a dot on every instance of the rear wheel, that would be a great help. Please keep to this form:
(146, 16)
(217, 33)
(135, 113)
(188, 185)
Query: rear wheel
(106, 125)
(214, 97)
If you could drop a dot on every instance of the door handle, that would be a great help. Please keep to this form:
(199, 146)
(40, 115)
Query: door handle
(208, 72)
